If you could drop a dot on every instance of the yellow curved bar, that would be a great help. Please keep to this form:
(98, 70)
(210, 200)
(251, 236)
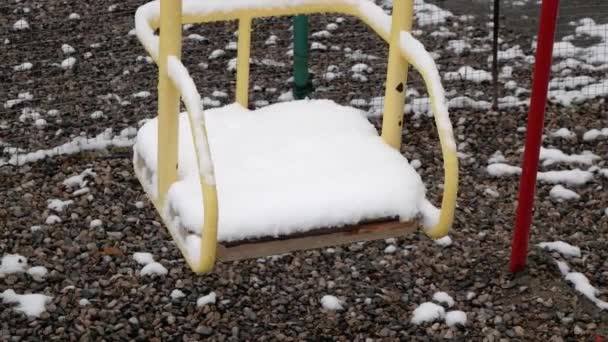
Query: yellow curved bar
(448, 150)
(198, 131)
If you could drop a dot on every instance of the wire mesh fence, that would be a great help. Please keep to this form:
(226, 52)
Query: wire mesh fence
(75, 69)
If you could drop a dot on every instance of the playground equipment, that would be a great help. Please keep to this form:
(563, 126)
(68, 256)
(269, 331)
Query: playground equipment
(290, 176)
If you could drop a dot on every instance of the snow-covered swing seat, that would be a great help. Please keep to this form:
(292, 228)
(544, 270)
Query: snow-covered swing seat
(232, 183)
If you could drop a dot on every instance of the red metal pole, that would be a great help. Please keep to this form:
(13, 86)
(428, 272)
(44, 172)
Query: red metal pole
(538, 98)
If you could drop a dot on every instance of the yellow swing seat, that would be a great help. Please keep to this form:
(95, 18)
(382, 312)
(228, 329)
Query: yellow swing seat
(232, 183)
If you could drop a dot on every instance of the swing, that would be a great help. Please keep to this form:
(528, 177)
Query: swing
(231, 183)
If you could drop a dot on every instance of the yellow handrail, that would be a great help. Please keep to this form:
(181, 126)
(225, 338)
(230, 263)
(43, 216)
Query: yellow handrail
(169, 15)
(182, 81)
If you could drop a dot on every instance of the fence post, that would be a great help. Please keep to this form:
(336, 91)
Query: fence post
(396, 74)
(538, 98)
(168, 95)
(302, 85)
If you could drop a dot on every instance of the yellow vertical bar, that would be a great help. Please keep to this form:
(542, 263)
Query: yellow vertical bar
(396, 74)
(209, 235)
(242, 68)
(168, 95)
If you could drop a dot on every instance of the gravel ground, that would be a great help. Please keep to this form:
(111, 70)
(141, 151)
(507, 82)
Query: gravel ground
(276, 298)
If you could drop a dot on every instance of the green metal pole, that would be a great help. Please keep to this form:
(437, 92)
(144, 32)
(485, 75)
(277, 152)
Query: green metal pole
(302, 85)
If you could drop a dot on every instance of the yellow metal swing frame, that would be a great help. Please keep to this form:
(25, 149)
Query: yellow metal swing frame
(168, 47)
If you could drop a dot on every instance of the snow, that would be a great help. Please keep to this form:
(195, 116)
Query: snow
(84, 302)
(95, 223)
(561, 247)
(501, 169)
(206, 300)
(79, 180)
(443, 298)
(428, 312)
(23, 66)
(331, 303)
(445, 241)
(153, 268)
(497, 157)
(491, 192)
(456, 318)
(143, 258)
(429, 14)
(217, 54)
(68, 63)
(74, 16)
(67, 49)
(241, 169)
(13, 263)
(20, 25)
(177, 294)
(571, 177)
(593, 134)
(58, 205)
(458, 46)
(564, 269)
(468, 73)
(142, 94)
(30, 304)
(582, 285)
(552, 156)
(52, 219)
(139, 205)
(390, 249)
(558, 192)
(40, 123)
(37, 272)
(563, 133)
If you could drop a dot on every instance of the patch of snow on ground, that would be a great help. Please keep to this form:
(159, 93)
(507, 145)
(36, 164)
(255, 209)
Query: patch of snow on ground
(390, 249)
(30, 304)
(21, 24)
(58, 205)
(444, 241)
(80, 179)
(52, 219)
(561, 247)
(153, 268)
(443, 298)
(564, 269)
(23, 66)
(208, 299)
(13, 263)
(331, 303)
(95, 223)
(593, 134)
(427, 312)
(552, 156)
(468, 73)
(68, 63)
(558, 192)
(143, 258)
(67, 49)
(38, 272)
(177, 294)
(456, 318)
(582, 285)
(563, 133)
